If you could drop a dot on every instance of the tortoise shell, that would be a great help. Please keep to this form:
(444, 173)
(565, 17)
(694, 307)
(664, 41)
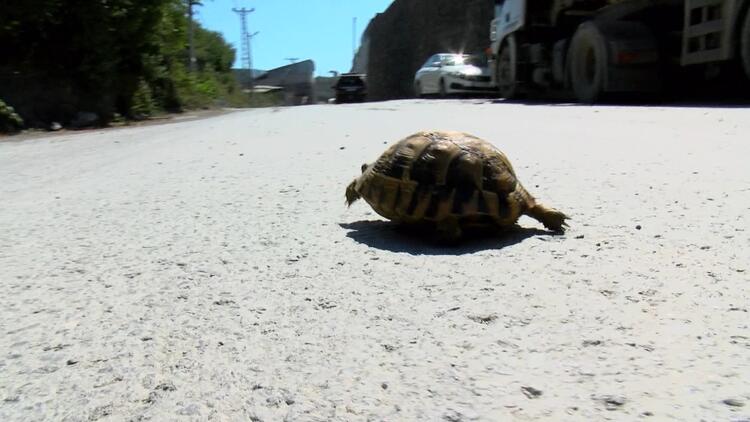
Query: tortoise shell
(452, 180)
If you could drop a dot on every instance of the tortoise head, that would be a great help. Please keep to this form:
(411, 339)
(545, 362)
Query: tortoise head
(351, 190)
(351, 193)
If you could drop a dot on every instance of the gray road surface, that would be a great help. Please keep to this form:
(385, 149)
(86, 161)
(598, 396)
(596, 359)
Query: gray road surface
(209, 270)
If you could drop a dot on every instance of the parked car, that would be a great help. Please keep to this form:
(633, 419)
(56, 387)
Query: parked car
(351, 87)
(445, 74)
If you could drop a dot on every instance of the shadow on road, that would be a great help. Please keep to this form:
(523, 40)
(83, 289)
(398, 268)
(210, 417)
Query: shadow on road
(397, 238)
(736, 103)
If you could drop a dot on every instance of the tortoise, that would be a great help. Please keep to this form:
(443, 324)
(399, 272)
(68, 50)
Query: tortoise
(452, 182)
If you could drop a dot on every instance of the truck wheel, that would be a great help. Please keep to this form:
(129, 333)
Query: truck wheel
(506, 68)
(588, 63)
(745, 44)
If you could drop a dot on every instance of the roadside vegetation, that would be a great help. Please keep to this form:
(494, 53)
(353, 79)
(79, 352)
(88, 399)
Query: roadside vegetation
(78, 61)
(10, 121)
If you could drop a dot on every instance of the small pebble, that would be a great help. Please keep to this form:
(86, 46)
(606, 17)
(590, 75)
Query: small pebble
(288, 398)
(531, 392)
(384, 386)
(612, 402)
(342, 147)
(166, 386)
(733, 402)
(638, 227)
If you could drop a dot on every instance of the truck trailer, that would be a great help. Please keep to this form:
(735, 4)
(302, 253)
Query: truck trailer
(597, 48)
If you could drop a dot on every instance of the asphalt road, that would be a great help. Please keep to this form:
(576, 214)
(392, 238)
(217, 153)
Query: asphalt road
(209, 270)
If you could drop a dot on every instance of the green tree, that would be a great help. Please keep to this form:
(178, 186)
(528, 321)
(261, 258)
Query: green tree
(107, 56)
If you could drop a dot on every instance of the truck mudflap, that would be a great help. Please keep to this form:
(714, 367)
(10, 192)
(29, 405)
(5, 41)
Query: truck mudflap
(629, 43)
(633, 57)
(612, 56)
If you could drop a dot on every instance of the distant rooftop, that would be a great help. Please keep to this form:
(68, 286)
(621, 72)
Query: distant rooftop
(295, 73)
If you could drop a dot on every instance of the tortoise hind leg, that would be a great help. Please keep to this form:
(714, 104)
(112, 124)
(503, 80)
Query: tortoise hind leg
(551, 218)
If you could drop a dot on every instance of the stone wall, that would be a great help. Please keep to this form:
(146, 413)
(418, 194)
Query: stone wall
(362, 56)
(410, 31)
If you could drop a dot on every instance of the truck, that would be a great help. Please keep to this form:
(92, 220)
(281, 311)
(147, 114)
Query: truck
(595, 49)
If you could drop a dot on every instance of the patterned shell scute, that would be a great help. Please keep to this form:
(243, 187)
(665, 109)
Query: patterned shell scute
(434, 175)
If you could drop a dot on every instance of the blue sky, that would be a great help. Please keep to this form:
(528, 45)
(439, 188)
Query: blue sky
(320, 30)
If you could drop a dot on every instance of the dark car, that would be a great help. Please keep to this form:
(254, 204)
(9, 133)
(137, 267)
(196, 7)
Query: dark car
(351, 87)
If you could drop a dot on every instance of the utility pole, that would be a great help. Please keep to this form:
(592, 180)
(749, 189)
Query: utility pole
(250, 51)
(191, 46)
(245, 57)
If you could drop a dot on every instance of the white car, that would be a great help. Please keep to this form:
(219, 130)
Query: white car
(445, 74)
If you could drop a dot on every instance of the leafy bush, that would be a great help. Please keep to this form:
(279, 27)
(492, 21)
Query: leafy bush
(9, 120)
(143, 104)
